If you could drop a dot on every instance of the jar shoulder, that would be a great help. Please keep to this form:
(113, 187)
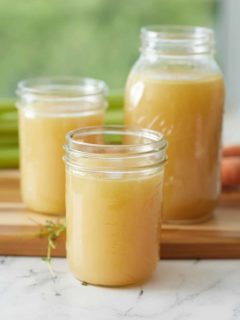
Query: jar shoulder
(176, 67)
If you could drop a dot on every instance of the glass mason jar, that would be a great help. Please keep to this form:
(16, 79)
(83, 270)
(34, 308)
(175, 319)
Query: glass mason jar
(114, 178)
(176, 87)
(48, 109)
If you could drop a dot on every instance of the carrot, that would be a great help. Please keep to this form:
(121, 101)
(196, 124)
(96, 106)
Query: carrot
(231, 151)
(230, 171)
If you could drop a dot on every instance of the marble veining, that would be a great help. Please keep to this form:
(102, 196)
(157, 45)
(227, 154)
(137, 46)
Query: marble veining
(179, 290)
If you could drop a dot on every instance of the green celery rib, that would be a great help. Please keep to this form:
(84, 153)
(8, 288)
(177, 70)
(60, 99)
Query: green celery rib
(7, 105)
(8, 121)
(114, 117)
(115, 99)
(8, 139)
(10, 126)
(8, 115)
(9, 157)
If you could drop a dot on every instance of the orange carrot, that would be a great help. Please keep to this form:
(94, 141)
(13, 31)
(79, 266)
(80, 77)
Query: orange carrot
(231, 151)
(230, 171)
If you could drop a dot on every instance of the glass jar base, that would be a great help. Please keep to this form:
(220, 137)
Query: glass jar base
(111, 285)
(45, 213)
(189, 221)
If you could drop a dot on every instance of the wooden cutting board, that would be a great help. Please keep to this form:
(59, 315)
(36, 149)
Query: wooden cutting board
(216, 238)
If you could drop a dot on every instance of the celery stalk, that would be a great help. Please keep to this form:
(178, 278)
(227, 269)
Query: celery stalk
(8, 139)
(9, 157)
(115, 99)
(8, 126)
(8, 115)
(114, 117)
(7, 105)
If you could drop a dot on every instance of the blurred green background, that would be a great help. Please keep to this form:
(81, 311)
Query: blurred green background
(96, 38)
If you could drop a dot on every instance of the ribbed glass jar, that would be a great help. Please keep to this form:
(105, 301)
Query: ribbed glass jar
(48, 109)
(114, 198)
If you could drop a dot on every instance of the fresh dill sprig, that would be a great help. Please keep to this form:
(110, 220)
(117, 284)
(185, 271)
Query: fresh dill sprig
(51, 230)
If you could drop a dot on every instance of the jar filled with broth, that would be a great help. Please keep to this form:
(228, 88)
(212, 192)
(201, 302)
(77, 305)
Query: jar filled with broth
(48, 109)
(114, 178)
(176, 87)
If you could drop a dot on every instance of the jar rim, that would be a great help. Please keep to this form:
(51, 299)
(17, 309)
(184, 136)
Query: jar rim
(177, 39)
(126, 158)
(156, 141)
(63, 88)
(175, 33)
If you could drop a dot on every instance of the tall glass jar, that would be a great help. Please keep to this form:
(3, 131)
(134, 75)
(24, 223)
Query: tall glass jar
(114, 198)
(176, 87)
(48, 109)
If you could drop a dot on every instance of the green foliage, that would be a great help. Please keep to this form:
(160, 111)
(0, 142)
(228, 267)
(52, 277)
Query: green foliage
(98, 38)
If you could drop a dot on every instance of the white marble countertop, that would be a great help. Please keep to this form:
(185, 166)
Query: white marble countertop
(179, 290)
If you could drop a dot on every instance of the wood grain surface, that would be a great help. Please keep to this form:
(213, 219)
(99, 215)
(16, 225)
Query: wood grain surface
(216, 238)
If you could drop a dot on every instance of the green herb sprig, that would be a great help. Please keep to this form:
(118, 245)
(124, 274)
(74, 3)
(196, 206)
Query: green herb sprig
(51, 230)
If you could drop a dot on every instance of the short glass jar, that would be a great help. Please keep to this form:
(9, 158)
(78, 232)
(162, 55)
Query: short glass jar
(114, 178)
(176, 87)
(48, 109)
